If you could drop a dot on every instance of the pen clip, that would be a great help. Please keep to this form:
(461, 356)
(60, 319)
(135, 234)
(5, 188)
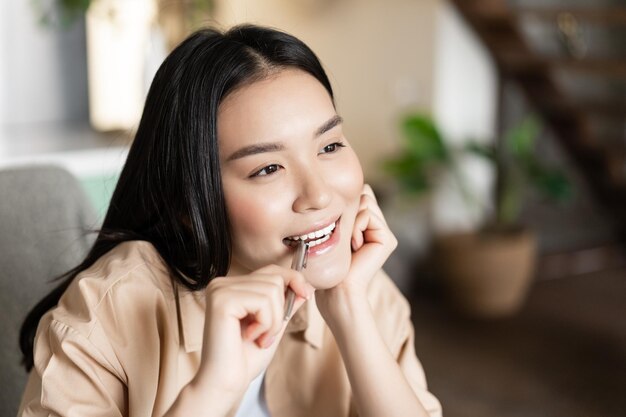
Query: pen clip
(300, 257)
(306, 255)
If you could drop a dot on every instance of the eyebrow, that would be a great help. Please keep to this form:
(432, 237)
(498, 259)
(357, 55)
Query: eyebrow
(277, 146)
(334, 121)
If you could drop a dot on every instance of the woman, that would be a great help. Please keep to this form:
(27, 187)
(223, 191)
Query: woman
(178, 307)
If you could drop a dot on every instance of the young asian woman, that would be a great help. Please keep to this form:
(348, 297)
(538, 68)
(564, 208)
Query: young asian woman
(178, 308)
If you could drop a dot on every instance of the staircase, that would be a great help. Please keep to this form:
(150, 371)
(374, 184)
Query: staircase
(569, 59)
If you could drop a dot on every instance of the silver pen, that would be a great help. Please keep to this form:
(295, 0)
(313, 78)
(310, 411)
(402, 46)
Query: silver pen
(298, 262)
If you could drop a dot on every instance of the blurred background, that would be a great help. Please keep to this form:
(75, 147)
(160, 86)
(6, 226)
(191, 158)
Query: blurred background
(493, 132)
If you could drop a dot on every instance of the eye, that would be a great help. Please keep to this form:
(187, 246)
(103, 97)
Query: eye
(268, 170)
(333, 147)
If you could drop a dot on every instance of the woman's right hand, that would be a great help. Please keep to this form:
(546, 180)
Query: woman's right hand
(243, 326)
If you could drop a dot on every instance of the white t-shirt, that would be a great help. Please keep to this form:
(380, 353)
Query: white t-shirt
(253, 403)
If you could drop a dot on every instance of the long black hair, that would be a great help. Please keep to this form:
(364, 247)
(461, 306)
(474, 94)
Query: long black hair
(170, 191)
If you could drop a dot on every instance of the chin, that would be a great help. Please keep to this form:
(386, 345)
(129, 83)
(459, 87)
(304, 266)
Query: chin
(323, 276)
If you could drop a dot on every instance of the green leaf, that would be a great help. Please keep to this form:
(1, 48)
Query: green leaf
(61, 14)
(423, 139)
(411, 173)
(479, 149)
(415, 184)
(553, 185)
(520, 140)
(510, 202)
(403, 165)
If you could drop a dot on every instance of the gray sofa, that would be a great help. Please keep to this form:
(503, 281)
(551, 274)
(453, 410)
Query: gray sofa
(44, 214)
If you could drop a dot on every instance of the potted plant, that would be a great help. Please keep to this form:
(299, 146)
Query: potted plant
(126, 42)
(486, 272)
(176, 17)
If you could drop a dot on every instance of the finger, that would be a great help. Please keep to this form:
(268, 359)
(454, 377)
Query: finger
(251, 331)
(365, 221)
(360, 225)
(298, 302)
(277, 301)
(299, 285)
(290, 278)
(369, 228)
(272, 285)
(268, 281)
(372, 254)
(259, 307)
(267, 340)
(367, 190)
(369, 202)
(268, 286)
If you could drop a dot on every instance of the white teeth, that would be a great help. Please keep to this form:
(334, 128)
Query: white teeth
(320, 235)
(318, 241)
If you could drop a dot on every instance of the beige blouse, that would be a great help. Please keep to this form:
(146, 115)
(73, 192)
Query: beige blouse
(124, 340)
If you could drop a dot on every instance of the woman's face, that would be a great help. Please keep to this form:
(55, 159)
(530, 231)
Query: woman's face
(288, 171)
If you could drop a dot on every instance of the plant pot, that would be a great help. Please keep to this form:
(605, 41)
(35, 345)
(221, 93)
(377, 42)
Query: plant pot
(487, 275)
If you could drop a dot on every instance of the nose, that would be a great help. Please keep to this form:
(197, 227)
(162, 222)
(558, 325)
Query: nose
(313, 193)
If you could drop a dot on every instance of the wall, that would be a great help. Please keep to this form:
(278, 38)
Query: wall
(378, 55)
(43, 76)
(465, 80)
(3, 12)
(464, 106)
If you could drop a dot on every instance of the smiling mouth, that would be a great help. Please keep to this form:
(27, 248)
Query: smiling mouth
(314, 238)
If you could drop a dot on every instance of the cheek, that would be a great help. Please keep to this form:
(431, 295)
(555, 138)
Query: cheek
(328, 271)
(349, 180)
(253, 217)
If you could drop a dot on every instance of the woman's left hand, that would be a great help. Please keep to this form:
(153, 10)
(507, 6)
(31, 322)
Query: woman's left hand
(372, 243)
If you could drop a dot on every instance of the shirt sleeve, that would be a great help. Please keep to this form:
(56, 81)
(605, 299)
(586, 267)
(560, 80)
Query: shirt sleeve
(392, 312)
(414, 373)
(71, 378)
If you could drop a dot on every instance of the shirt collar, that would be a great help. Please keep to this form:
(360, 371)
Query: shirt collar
(190, 306)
